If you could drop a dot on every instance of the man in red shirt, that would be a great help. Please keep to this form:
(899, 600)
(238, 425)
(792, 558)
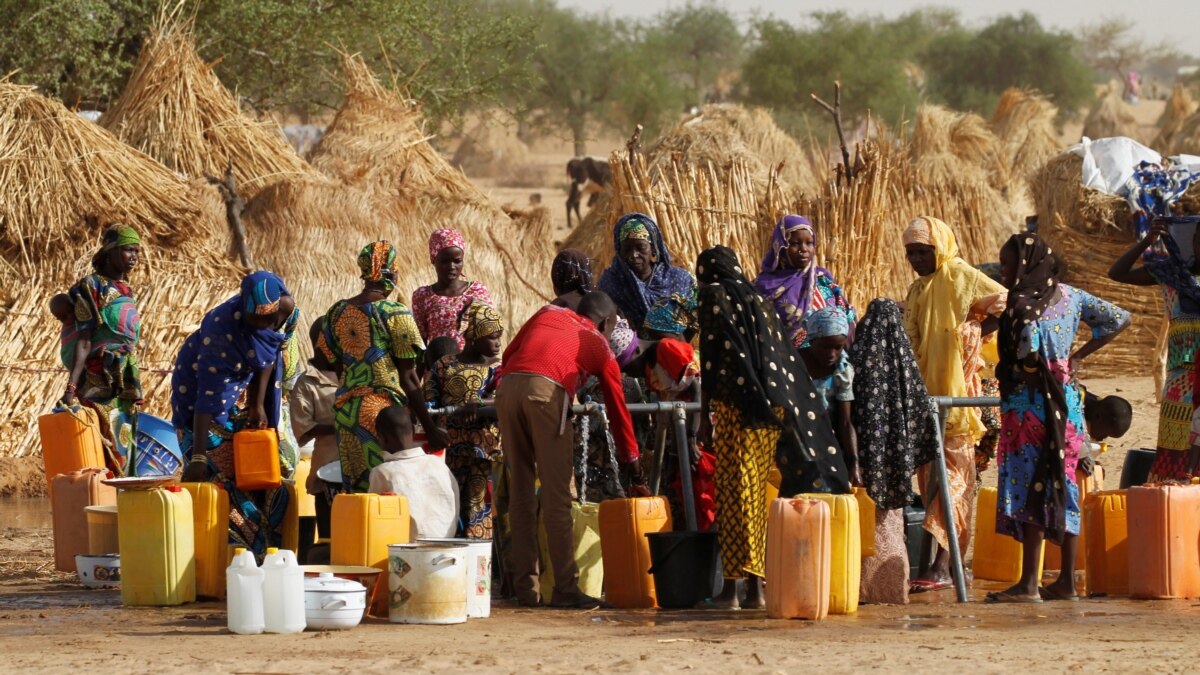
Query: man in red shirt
(544, 365)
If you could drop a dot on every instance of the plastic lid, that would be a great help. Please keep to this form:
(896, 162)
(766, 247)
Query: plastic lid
(174, 488)
(327, 581)
(239, 550)
(387, 494)
(272, 549)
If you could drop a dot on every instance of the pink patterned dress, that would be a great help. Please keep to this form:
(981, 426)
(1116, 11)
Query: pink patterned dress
(437, 315)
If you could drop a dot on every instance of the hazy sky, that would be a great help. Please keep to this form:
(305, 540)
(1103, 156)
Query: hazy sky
(1176, 22)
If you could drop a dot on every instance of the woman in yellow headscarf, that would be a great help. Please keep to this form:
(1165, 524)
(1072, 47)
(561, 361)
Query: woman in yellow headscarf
(950, 307)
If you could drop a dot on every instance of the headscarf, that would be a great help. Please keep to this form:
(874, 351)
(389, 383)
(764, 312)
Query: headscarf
(377, 261)
(1175, 272)
(1035, 289)
(826, 322)
(446, 237)
(936, 306)
(633, 296)
(572, 271)
(672, 315)
(894, 418)
(119, 235)
(623, 342)
(479, 320)
(798, 285)
(261, 292)
(748, 363)
(674, 369)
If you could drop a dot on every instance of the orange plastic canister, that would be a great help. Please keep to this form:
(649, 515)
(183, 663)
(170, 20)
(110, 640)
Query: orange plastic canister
(1107, 551)
(70, 494)
(845, 550)
(361, 527)
(625, 549)
(256, 459)
(1164, 541)
(1052, 558)
(799, 538)
(70, 441)
(997, 557)
(210, 518)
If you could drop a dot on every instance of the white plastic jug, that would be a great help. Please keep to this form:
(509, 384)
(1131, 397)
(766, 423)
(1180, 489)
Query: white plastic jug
(244, 594)
(283, 592)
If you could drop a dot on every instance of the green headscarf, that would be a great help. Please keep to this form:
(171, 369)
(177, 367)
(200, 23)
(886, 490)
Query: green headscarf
(119, 235)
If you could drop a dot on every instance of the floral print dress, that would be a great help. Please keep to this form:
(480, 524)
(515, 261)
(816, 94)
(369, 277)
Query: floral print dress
(437, 315)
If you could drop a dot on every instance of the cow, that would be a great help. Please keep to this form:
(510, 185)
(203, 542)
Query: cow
(587, 174)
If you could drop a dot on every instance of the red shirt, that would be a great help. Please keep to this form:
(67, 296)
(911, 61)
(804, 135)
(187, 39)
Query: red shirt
(563, 346)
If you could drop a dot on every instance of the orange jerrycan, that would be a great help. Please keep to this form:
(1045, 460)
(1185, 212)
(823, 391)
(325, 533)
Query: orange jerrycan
(158, 553)
(70, 495)
(1164, 541)
(289, 535)
(845, 546)
(997, 556)
(1052, 560)
(799, 536)
(625, 550)
(70, 441)
(1107, 552)
(210, 519)
(361, 527)
(102, 535)
(256, 459)
(866, 520)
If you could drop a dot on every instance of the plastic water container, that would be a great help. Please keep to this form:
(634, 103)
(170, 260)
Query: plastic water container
(997, 556)
(1052, 558)
(244, 603)
(158, 554)
(210, 523)
(283, 592)
(1107, 552)
(427, 583)
(256, 459)
(799, 536)
(70, 442)
(479, 573)
(626, 551)
(102, 532)
(845, 546)
(306, 504)
(1164, 541)
(70, 494)
(585, 529)
(866, 520)
(361, 528)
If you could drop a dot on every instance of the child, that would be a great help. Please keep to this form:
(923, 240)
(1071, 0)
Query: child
(64, 310)
(423, 479)
(1103, 418)
(825, 358)
(311, 406)
(464, 380)
(437, 349)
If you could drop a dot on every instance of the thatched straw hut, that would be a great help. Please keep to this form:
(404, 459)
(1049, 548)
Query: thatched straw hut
(1024, 123)
(1179, 107)
(175, 109)
(1111, 116)
(491, 148)
(376, 144)
(1187, 139)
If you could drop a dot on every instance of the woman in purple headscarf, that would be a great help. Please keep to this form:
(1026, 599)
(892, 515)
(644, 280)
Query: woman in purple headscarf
(792, 280)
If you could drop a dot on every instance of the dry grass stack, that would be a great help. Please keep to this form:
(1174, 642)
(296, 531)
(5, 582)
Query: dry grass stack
(1111, 116)
(1024, 122)
(175, 109)
(725, 132)
(1186, 140)
(376, 143)
(491, 149)
(1180, 107)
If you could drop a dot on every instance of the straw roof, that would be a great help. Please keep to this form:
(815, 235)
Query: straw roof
(1111, 116)
(175, 109)
(1024, 123)
(376, 144)
(491, 148)
(1179, 107)
(1059, 195)
(1187, 139)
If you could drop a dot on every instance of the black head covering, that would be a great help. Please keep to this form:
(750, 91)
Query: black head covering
(572, 271)
(748, 363)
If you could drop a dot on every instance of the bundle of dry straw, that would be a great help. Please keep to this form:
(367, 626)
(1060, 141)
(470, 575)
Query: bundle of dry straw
(175, 109)
(1179, 107)
(1024, 123)
(1187, 139)
(1111, 116)
(491, 149)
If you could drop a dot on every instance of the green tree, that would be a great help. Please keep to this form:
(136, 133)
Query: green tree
(969, 70)
(695, 43)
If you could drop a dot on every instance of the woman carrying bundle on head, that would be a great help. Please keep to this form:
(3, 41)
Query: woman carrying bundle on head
(436, 307)
(102, 326)
(794, 283)
(950, 307)
(764, 407)
(1042, 422)
(228, 377)
(1179, 276)
(641, 272)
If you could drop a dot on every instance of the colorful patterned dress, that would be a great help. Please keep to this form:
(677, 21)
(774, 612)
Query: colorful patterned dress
(1175, 415)
(1023, 432)
(437, 315)
(111, 381)
(366, 341)
(826, 293)
(474, 445)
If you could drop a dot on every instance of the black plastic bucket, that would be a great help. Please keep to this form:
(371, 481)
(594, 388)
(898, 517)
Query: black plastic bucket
(1136, 470)
(686, 567)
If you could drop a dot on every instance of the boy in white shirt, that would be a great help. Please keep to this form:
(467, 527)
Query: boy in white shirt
(423, 479)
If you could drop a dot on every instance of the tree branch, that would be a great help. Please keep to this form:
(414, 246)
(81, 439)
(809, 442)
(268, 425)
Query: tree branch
(233, 213)
(836, 111)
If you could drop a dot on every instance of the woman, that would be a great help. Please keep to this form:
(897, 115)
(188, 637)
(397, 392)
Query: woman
(107, 325)
(896, 429)
(764, 409)
(949, 309)
(791, 278)
(641, 272)
(464, 380)
(228, 377)
(374, 344)
(571, 276)
(1180, 281)
(437, 307)
(1042, 425)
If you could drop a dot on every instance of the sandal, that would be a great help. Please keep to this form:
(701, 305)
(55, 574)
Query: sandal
(926, 586)
(1048, 593)
(1004, 597)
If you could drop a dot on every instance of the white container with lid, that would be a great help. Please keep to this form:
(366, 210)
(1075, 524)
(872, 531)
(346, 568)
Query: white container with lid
(244, 594)
(333, 603)
(283, 592)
